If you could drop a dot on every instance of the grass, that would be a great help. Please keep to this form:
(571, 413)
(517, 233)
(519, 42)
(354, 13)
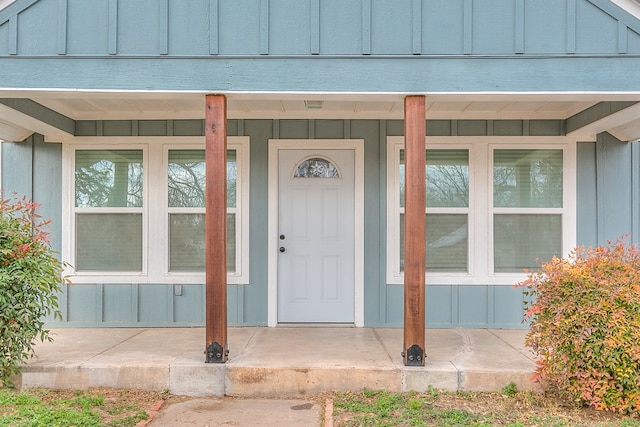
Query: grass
(510, 408)
(44, 408)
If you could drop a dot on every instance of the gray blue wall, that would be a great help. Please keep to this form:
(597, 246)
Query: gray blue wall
(337, 45)
(607, 200)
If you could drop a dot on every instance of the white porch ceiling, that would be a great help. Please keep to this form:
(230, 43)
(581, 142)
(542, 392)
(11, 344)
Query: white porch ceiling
(127, 106)
(84, 105)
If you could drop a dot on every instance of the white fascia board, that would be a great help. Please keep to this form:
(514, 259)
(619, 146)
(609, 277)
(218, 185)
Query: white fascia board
(631, 6)
(11, 132)
(619, 120)
(19, 120)
(5, 3)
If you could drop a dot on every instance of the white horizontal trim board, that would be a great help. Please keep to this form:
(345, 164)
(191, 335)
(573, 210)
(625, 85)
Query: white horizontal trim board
(480, 211)
(155, 240)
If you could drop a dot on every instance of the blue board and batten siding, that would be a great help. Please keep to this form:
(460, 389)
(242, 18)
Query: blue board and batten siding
(331, 45)
(33, 168)
(315, 27)
(320, 46)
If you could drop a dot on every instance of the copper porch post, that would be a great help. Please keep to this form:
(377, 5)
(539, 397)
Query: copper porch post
(413, 350)
(215, 131)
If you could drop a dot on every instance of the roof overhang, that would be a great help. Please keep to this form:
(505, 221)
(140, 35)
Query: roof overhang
(53, 113)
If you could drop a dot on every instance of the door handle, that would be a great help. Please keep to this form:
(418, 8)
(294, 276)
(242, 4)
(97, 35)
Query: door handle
(282, 249)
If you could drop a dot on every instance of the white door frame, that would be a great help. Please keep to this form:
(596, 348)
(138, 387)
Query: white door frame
(318, 144)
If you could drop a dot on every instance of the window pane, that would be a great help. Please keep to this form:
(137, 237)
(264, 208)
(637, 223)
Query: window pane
(108, 178)
(109, 242)
(447, 242)
(232, 178)
(316, 168)
(447, 174)
(186, 242)
(522, 241)
(186, 178)
(527, 178)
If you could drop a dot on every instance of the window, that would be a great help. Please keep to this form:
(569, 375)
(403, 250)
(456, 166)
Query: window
(109, 202)
(495, 207)
(447, 173)
(138, 210)
(527, 207)
(186, 194)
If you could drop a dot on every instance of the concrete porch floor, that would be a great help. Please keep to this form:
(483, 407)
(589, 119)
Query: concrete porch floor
(278, 362)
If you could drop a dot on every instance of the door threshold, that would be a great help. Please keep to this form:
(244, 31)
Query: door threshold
(315, 325)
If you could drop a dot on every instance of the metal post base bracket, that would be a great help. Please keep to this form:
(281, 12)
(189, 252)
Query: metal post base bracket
(216, 354)
(415, 356)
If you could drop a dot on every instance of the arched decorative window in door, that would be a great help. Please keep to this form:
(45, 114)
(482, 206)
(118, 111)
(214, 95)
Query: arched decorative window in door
(316, 167)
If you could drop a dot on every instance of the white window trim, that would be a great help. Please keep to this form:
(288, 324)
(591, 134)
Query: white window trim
(155, 210)
(480, 255)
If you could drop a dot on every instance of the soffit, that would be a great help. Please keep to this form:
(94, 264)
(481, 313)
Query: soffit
(80, 105)
(128, 106)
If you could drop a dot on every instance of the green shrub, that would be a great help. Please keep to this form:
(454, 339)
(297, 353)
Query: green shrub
(585, 326)
(29, 281)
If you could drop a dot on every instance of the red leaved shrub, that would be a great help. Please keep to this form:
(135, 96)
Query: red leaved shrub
(585, 326)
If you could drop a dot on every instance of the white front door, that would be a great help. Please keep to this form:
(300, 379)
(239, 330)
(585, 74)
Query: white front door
(316, 235)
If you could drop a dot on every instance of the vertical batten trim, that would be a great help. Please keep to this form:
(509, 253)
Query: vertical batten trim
(467, 18)
(264, 27)
(169, 127)
(134, 291)
(489, 127)
(417, 27)
(100, 303)
(240, 127)
(314, 27)
(62, 27)
(13, 35)
(240, 304)
(171, 301)
(635, 186)
(571, 25)
(163, 27)
(382, 271)
(600, 188)
(454, 301)
(490, 314)
(366, 27)
(622, 37)
(214, 27)
(519, 27)
(311, 129)
(113, 27)
(99, 128)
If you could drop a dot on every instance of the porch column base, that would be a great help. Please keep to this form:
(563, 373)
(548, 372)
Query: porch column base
(216, 353)
(414, 356)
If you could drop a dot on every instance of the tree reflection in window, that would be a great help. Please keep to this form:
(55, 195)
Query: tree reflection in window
(316, 168)
(108, 178)
(186, 178)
